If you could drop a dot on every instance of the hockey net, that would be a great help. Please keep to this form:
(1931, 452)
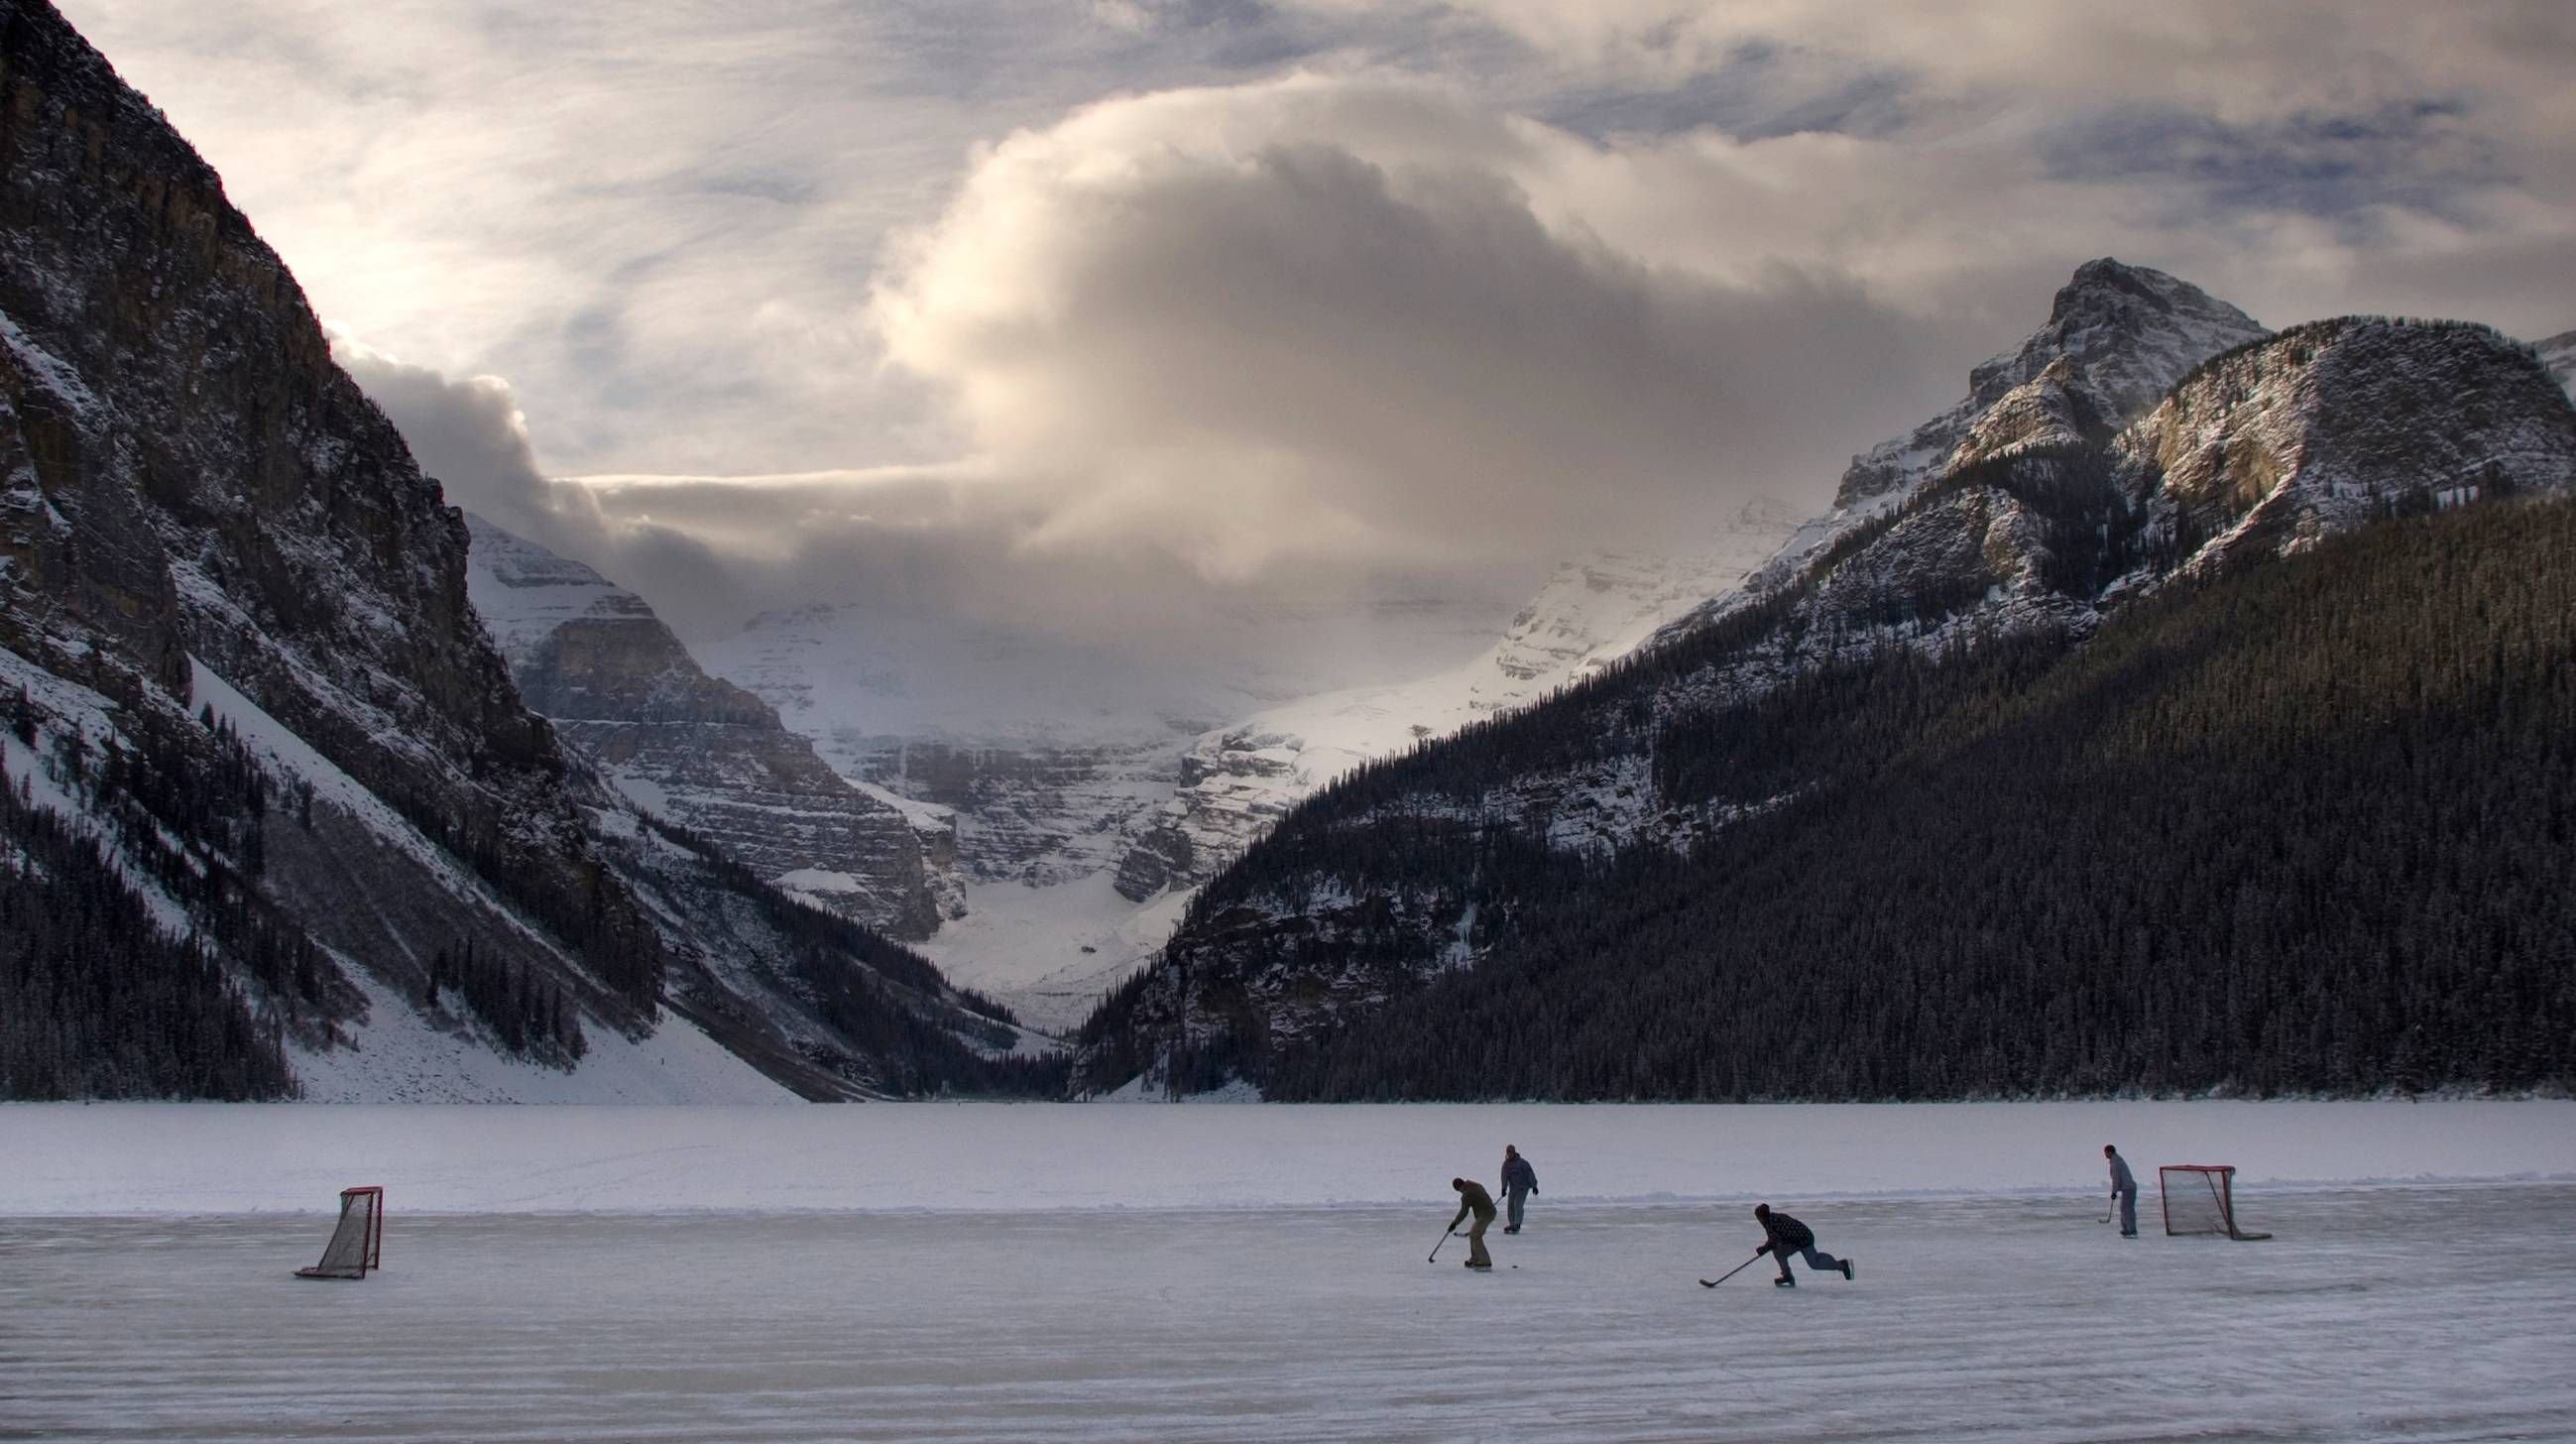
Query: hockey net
(357, 1245)
(2200, 1198)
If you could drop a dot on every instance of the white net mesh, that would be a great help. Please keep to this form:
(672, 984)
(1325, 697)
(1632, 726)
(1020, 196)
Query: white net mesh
(351, 1251)
(2200, 1199)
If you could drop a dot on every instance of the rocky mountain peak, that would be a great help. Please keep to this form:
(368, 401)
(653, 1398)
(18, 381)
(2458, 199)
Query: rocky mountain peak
(2126, 333)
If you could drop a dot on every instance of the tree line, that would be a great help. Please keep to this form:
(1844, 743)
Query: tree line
(98, 999)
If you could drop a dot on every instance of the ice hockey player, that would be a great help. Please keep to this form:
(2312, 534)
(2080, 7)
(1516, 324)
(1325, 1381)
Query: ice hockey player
(1519, 1182)
(2124, 1187)
(1472, 1198)
(1785, 1236)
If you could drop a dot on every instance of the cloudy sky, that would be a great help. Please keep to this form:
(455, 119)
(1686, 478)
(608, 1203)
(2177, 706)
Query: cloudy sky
(1022, 307)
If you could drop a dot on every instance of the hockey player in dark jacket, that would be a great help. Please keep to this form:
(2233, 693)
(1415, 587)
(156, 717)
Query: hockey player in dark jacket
(1519, 1182)
(1784, 1236)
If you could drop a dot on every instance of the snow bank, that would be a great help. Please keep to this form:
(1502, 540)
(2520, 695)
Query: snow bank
(206, 1158)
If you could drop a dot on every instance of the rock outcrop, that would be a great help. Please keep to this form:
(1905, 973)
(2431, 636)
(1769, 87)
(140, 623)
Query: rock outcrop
(698, 751)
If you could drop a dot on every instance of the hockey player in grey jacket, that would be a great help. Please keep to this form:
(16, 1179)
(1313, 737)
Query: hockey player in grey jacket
(2124, 1187)
(1519, 1182)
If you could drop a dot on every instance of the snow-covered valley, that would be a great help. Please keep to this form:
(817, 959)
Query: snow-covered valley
(1090, 788)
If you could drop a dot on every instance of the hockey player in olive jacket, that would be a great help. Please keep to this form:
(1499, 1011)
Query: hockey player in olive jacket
(1783, 1236)
(1472, 1198)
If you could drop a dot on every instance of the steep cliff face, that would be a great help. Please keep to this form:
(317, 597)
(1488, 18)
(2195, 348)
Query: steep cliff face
(287, 819)
(2039, 528)
(195, 489)
(698, 751)
(1039, 753)
(2268, 448)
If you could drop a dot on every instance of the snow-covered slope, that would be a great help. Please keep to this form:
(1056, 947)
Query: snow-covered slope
(2558, 353)
(1238, 780)
(1042, 750)
(523, 592)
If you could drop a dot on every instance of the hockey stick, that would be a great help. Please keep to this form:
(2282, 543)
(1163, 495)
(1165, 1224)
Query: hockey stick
(1730, 1273)
(1445, 1236)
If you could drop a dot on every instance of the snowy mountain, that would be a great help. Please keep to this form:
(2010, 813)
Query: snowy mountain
(1041, 750)
(276, 817)
(1052, 757)
(1239, 780)
(2117, 338)
(2126, 334)
(704, 754)
(2041, 526)
(2558, 353)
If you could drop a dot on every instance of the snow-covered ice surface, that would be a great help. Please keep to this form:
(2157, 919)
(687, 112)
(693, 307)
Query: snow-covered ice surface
(1035, 1272)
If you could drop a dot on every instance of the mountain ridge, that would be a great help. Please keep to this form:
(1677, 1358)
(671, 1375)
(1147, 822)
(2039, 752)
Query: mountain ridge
(2260, 452)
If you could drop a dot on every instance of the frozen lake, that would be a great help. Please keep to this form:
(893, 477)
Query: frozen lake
(1209, 1273)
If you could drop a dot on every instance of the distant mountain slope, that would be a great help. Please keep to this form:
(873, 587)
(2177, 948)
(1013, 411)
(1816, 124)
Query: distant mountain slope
(274, 783)
(1362, 897)
(1052, 760)
(593, 659)
(1239, 780)
(2297, 830)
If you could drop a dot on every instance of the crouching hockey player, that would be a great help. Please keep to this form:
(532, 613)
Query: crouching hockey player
(1785, 1236)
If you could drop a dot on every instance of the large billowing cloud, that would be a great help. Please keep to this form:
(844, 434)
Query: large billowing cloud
(1330, 315)
(946, 545)
(1319, 285)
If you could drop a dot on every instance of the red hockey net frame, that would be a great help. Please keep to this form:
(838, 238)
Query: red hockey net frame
(2208, 1190)
(371, 1243)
